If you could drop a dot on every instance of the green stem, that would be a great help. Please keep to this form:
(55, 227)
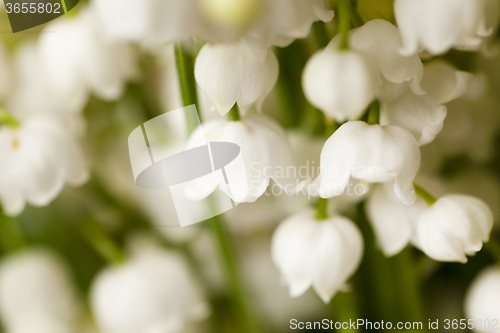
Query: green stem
(408, 285)
(11, 235)
(374, 113)
(7, 119)
(101, 242)
(322, 209)
(234, 113)
(185, 72)
(229, 261)
(421, 192)
(344, 13)
(493, 248)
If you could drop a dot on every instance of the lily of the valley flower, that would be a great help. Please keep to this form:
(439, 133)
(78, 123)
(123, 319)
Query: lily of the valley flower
(453, 227)
(37, 294)
(265, 153)
(89, 63)
(381, 41)
(322, 254)
(373, 153)
(438, 25)
(340, 83)
(393, 222)
(234, 73)
(38, 158)
(482, 300)
(153, 292)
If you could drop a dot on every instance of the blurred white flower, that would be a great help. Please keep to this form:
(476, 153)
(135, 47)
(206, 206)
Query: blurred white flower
(78, 60)
(153, 292)
(147, 21)
(37, 294)
(393, 222)
(471, 124)
(418, 114)
(38, 158)
(424, 115)
(322, 254)
(5, 72)
(265, 153)
(234, 73)
(438, 25)
(373, 153)
(453, 227)
(381, 41)
(31, 95)
(340, 83)
(443, 83)
(280, 22)
(482, 301)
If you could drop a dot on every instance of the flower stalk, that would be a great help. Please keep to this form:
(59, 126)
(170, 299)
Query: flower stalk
(185, 72)
(322, 209)
(374, 113)
(426, 196)
(344, 15)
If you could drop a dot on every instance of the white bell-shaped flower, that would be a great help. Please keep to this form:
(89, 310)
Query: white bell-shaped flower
(373, 153)
(77, 58)
(482, 301)
(153, 292)
(453, 227)
(424, 115)
(438, 25)
(381, 41)
(265, 151)
(322, 254)
(234, 73)
(5, 72)
(340, 83)
(37, 294)
(418, 114)
(393, 222)
(38, 158)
